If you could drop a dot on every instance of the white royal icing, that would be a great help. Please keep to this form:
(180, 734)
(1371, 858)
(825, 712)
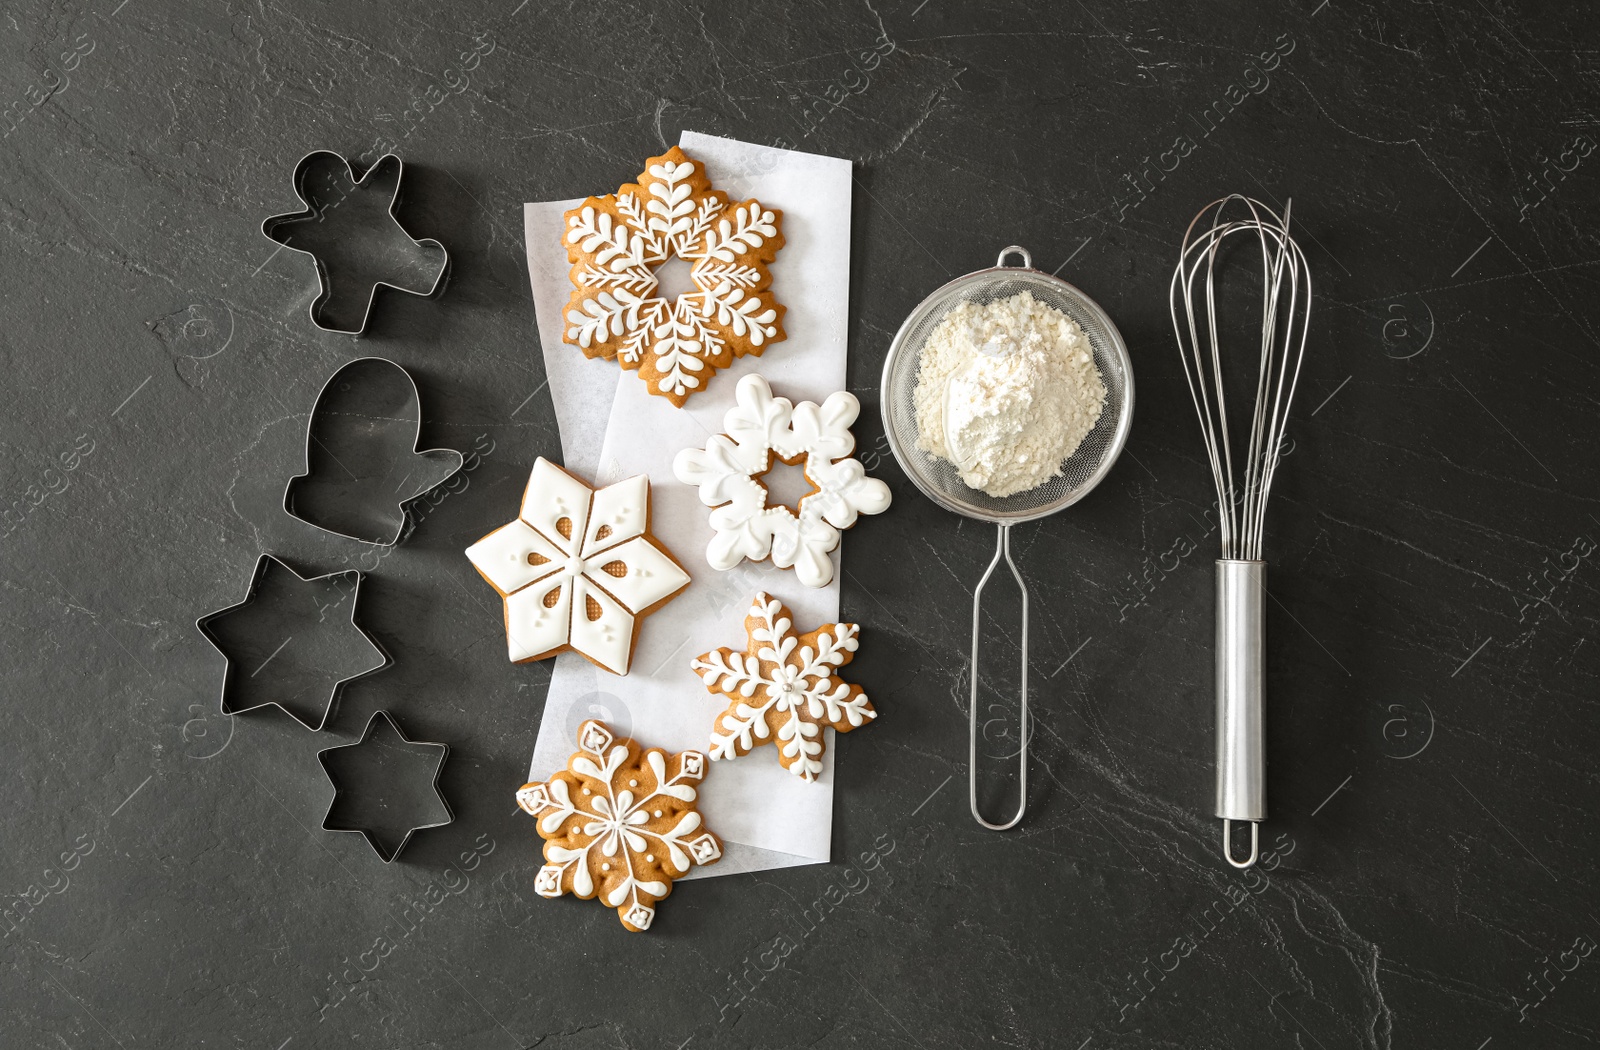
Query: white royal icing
(614, 821)
(678, 333)
(790, 679)
(759, 427)
(550, 573)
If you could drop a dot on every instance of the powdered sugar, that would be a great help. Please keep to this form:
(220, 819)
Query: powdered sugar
(1006, 391)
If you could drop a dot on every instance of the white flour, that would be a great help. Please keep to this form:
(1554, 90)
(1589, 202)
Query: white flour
(1006, 392)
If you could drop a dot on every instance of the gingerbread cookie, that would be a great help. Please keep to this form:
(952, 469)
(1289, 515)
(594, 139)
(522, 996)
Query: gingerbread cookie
(784, 688)
(578, 569)
(762, 427)
(637, 806)
(617, 309)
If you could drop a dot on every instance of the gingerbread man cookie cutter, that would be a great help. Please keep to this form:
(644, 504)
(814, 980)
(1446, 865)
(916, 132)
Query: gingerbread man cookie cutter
(207, 625)
(274, 226)
(388, 856)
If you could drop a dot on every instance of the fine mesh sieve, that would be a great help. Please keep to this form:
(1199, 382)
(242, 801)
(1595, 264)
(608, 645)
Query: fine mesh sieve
(941, 482)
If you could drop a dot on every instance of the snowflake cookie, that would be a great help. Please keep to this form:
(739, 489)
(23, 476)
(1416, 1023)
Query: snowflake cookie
(761, 427)
(617, 308)
(578, 569)
(784, 687)
(619, 823)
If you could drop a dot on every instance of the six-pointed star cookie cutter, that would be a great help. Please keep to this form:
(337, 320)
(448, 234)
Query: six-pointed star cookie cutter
(272, 223)
(263, 563)
(416, 449)
(366, 833)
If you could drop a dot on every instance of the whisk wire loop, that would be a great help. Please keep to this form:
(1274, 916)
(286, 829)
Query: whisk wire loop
(1285, 325)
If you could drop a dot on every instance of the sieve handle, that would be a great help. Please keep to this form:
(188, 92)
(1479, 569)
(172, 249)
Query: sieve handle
(1002, 548)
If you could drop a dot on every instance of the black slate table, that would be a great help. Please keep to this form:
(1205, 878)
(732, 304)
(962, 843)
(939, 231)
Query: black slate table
(1429, 879)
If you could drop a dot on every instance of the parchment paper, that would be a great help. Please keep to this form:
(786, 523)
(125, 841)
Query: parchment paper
(766, 817)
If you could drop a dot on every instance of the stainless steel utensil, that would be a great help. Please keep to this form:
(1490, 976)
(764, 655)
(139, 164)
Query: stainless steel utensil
(941, 482)
(1241, 573)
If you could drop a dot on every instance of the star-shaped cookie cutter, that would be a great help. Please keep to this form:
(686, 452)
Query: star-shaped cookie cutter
(311, 211)
(366, 833)
(263, 564)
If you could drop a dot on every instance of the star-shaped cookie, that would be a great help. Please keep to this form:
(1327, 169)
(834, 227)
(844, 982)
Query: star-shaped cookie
(620, 823)
(784, 688)
(578, 569)
(616, 245)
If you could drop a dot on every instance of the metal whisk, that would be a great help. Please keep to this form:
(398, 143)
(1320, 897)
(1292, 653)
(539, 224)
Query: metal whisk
(1242, 503)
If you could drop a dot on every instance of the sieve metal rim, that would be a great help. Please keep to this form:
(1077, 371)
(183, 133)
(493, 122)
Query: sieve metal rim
(887, 403)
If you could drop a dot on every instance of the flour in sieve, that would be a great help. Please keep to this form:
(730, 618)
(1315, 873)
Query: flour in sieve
(1006, 391)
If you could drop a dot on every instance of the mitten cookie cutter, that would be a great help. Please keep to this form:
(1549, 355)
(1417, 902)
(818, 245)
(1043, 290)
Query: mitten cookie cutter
(388, 857)
(263, 564)
(416, 450)
(271, 225)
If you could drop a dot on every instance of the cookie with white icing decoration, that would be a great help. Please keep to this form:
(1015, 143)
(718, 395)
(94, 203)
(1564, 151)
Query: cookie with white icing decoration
(578, 569)
(761, 428)
(619, 823)
(784, 688)
(617, 308)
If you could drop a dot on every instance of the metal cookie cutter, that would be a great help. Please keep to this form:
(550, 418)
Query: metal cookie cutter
(207, 627)
(387, 856)
(425, 486)
(277, 229)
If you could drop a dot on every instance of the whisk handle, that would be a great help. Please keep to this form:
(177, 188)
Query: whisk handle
(1241, 698)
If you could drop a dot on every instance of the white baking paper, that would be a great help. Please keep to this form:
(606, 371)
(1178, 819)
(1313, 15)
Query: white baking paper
(582, 390)
(766, 817)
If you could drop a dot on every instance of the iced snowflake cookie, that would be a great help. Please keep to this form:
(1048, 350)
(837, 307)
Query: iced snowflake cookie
(761, 427)
(784, 688)
(617, 309)
(578, 569)
(619, 823)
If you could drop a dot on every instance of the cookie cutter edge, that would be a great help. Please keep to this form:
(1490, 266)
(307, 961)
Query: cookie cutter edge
(366, 833)
(416, 449)
(272, 222)
(257, 575)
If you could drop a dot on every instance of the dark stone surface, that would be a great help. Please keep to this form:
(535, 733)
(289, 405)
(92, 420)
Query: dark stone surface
(1432, 690)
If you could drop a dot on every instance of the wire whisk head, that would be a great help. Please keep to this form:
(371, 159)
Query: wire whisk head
(1285, 322)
